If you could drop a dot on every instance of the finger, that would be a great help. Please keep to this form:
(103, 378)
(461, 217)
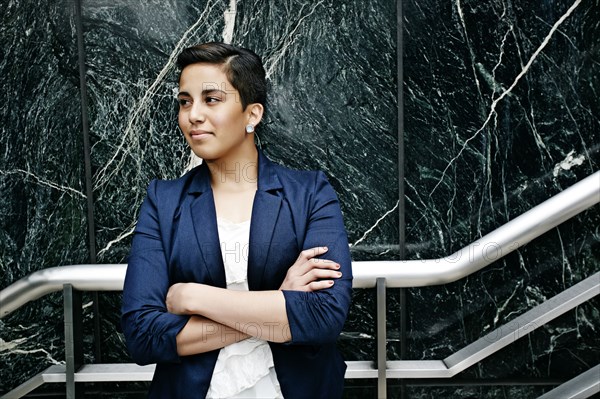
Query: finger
(311, 253)
(313, 264)
(302, 282)
(321, 274)
(321, 264)
(319, 285)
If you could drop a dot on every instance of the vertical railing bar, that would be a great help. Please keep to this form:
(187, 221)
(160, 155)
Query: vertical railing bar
(73, 340)
(87, 159)
(69, 340)
(381, 340)
(403, 337)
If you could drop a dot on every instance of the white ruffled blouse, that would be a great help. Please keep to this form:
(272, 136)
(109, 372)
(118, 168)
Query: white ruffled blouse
(244, 369)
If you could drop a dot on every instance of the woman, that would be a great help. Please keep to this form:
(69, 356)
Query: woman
(239, 278)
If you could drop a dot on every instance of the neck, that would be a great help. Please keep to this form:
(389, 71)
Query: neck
(238, 171)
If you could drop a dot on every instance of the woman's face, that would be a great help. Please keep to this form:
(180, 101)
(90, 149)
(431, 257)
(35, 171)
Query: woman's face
(210, 113)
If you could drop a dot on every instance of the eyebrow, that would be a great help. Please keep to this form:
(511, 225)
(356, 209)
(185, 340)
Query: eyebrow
(204, 92)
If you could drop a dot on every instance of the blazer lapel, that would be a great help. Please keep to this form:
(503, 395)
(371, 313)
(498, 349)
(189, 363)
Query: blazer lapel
(204, 219)
(265, 212)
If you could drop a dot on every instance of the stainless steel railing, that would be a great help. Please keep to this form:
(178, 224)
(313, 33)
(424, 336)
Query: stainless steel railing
(487, 249)
(404, 273)
(380, 274)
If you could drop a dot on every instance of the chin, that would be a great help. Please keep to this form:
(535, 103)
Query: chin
(206, 154)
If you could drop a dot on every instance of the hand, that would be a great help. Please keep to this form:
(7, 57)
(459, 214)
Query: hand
(180, 297)
(304, 273)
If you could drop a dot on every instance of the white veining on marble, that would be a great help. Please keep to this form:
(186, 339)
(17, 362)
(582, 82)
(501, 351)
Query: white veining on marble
(566, 266)
(500, 309)
(288, 40)
(141, 108)
(568, 163)
(496, 86)
(434, 219)
(507, 91)
(193, 161)
(375, 225)
(583, 321)
(229, 16)
(12, 347)
(575, 122)
(555, 339)
(468, 41)
(121, 237)
(522, 263)
(44, 182)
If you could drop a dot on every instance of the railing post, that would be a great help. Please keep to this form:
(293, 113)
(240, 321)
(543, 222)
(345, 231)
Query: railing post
(73, 340)
(381, 340)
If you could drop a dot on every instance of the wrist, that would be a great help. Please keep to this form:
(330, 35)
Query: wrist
(192, 304)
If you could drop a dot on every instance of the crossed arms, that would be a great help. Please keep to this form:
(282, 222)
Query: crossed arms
(163, 321)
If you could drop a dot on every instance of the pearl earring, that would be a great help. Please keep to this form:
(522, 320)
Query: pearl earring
(249, 128)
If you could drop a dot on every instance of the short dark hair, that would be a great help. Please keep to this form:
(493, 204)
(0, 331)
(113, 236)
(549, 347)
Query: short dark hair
(243, 68)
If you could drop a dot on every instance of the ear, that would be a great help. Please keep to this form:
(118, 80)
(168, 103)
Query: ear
(255, 113)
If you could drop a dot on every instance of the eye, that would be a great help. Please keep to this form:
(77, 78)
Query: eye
(183, 102)
(210, 100)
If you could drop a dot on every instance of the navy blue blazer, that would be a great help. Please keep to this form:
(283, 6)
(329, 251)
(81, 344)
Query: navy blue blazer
(176, 240)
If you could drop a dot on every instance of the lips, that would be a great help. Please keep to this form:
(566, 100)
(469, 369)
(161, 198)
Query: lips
(199, 134)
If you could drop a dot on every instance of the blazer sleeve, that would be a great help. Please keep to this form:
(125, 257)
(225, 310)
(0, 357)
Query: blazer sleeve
(149, 329)
(318, 317)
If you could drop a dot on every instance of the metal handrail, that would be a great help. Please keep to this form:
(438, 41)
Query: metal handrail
(583, 386)
(406, 273)
(489, 248)
(580, 387)
(381, 274)
(109, 277)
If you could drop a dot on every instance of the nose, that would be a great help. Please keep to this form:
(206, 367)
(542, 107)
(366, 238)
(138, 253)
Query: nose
(196, 114)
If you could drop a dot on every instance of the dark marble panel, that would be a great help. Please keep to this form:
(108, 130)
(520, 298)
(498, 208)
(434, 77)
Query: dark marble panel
(332, 71)
(493, 127)
(501, 113)
(332, 67)
(130, 56)
(43, 202)
(472, 392)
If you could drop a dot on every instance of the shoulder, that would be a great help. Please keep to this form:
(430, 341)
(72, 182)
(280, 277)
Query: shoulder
(172, 188)
(289, 176)
(296, 176)
(303, 184)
